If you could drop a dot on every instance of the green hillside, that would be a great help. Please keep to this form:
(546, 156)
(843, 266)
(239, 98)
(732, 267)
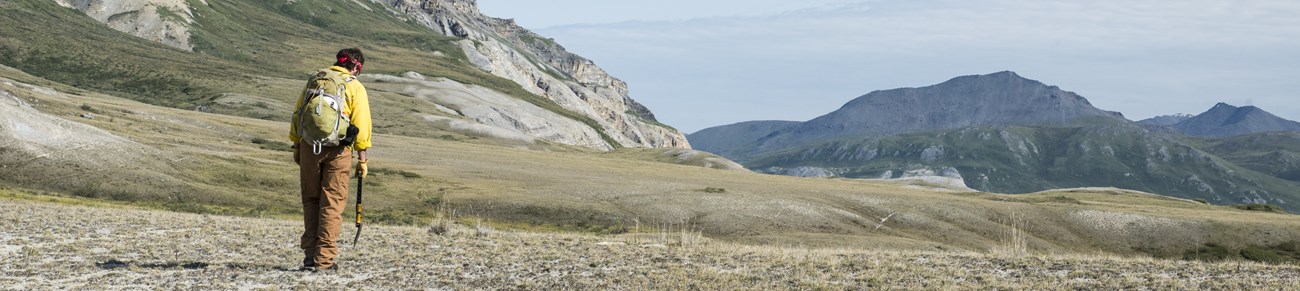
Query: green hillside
(1273, 153)
(250, 56)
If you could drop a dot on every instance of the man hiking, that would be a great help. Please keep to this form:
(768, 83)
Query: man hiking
(331, 120)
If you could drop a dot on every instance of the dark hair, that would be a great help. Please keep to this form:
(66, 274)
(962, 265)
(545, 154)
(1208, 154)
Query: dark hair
(350, 58)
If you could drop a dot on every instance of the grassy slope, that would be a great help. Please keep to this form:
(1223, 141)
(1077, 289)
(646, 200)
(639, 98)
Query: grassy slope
(225, 172)
(252, 55)
(73, 247)
(1274, 153)
(1058, 158)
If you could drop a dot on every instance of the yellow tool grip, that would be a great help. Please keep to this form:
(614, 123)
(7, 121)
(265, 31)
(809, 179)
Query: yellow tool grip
(358, 213)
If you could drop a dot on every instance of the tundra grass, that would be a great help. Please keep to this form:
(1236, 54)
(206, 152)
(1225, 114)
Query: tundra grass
(54, 246)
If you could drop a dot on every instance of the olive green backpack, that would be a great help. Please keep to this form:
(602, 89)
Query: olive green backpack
(320, 121)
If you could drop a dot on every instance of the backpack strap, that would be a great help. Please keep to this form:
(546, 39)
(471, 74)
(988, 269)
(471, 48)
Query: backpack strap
(344, 86)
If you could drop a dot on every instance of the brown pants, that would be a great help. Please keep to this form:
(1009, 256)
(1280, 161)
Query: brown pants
(324, 195)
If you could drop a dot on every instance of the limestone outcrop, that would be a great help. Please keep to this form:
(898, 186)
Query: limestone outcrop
(162, 21)
(543, 67)
(498, 46)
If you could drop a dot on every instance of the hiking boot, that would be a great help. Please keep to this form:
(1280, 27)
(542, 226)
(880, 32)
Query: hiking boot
(331, 269)
(317, 269)
(308, 261)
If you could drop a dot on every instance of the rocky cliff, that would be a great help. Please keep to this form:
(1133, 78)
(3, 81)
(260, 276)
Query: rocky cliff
(496, 46)
(163, 21)
(543, 67)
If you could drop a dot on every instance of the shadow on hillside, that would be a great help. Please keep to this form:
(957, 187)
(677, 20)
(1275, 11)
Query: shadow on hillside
(114, 264)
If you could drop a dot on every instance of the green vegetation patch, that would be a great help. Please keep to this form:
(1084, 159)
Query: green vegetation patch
(395, 172)
(1260, 207)
(1284, 253)
(714, 190)
(272, 145)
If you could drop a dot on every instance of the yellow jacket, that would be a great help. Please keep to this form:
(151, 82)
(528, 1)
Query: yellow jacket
(357, 108)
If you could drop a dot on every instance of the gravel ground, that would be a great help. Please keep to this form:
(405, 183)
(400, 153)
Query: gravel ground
(53, 246)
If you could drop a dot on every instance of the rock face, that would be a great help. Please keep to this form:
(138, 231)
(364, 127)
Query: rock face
(489, 113)
(543, 67)
(163, 21)
(1226, 120)
(806, 172)
(497, 46)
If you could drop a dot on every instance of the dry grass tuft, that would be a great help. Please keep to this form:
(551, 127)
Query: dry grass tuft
(441, 225)
(481, 230)
(1013, 241)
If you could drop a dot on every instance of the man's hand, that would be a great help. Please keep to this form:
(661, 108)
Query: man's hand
(361, 165)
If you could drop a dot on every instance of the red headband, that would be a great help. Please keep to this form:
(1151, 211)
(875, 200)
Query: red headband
(343, 59)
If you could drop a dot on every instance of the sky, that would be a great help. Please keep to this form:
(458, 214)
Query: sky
(704, 63)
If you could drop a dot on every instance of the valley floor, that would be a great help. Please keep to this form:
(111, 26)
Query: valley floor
(57, 246)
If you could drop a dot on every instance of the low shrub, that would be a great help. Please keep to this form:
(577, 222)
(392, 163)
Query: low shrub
(1284, 253)
(1260, 207)
(393, 172)
(272, 145)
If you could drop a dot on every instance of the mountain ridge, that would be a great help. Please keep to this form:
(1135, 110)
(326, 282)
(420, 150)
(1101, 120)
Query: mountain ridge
(1020, 136)
(958, 102)
(1165, 120)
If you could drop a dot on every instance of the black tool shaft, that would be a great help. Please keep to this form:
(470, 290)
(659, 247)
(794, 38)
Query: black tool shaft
(360, 186)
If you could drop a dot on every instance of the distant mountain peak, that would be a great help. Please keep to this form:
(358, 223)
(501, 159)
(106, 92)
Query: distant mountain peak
(1001, 98)
(1226, 106)
(1224, 120)
(993, 77)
